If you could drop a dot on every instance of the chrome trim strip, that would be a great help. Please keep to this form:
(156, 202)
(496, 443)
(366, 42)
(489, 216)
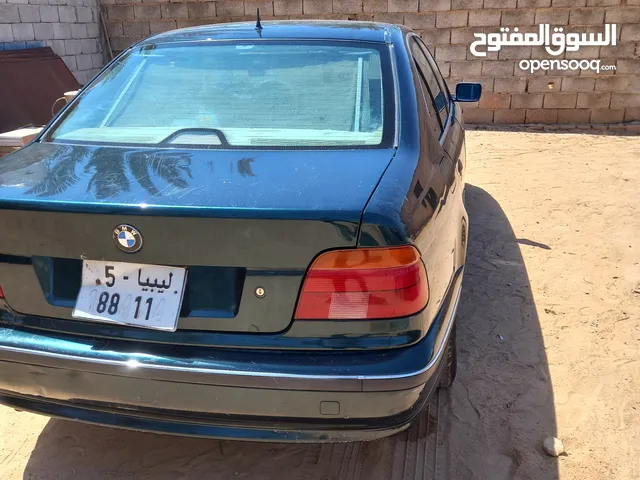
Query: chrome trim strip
(396, 96)
(133, 364)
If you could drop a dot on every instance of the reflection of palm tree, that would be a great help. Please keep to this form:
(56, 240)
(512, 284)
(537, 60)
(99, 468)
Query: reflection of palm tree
(111, 171)
(62, 174)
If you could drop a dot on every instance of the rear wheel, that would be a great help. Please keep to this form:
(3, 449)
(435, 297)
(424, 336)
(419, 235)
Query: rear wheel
(448, 374)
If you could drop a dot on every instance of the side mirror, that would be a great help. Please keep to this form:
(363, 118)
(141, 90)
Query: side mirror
(69, 95)
(468, 92)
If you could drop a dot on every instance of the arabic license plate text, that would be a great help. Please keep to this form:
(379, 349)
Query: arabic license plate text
(147, 296)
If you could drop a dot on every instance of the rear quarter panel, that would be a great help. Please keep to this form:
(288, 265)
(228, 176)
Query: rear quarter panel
(420, 197)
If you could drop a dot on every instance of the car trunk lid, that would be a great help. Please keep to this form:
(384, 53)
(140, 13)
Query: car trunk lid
(238, 220)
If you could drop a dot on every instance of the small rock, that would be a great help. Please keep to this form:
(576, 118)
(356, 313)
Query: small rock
(553, 446)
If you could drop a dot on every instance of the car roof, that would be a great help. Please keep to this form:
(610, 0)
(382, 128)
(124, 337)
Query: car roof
(285, 29)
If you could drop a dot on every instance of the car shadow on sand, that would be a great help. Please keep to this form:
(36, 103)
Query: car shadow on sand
(490, 425)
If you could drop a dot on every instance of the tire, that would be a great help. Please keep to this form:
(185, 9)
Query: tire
(450, 368)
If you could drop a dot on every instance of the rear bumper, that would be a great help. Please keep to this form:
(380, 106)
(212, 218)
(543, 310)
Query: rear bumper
(329, 396)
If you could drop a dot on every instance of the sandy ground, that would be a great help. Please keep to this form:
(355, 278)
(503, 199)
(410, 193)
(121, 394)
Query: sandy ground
(549, 329)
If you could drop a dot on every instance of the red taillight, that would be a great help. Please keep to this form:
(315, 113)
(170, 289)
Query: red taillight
(364, 283)
(1, 293)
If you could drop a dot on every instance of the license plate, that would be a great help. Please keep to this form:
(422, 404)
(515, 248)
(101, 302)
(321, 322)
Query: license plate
(148, 296)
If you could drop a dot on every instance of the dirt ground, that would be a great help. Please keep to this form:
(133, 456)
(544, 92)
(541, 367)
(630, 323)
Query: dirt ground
(549, 335)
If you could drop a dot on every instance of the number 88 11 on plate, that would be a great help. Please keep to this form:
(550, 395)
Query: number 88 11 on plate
(147, 296)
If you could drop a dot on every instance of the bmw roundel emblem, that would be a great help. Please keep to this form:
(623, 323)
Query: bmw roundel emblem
(127, 238)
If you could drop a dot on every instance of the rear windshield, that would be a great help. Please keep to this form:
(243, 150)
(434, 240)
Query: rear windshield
(226, 95)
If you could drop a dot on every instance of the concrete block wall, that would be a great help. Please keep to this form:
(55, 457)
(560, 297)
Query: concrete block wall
(511, 95)
(69, 27)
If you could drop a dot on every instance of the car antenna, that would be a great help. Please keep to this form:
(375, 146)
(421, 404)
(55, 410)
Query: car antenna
(258, 24)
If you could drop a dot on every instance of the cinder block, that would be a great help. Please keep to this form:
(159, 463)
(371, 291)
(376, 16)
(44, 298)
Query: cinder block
(477, 116)
(266, 7)
(48, 13)
(294, 7)
(6, 33)
(534, 3)
(622, 50)
(395, 18)
(560, 100)
(603, 3)
(196, 10)
(78, 30)
(552, 16)
(494, 100)
(9, 14)
(147, 11)
(568, 3)
(576, 116)
(23, 32)
(138, 29)
(517, 18)
(625, 100)
(613, 83)
(452, 19)
(594, 100)
(97, 60)
(61, 31)
(163, 26)
(38, 2)
(90, 45)
(544, 84)
(586, 16)
(29, 13)
(339, 6)
(236, 9)
(57, 46)
(631, 114)
(400, 6)
(114, 29)
(629, 33)
(608, 115)
(436, 36)
(84, 14)
(419, 21)
(503, 4)
(497, 68)
(514, 53)
(434, 5)
(484, 18)
(120, 12)
(624, 67)
(84, 62)
(67, 14)
(179, 10)
(623, 15)
(466, 4)
(508, 116)
(73, 47)
(464, 35)
(450, 52)
(578, 84)
(93, 30)
(509, 85)
(43, 31)
(526, 100)
(541, 115)
(466, 69)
